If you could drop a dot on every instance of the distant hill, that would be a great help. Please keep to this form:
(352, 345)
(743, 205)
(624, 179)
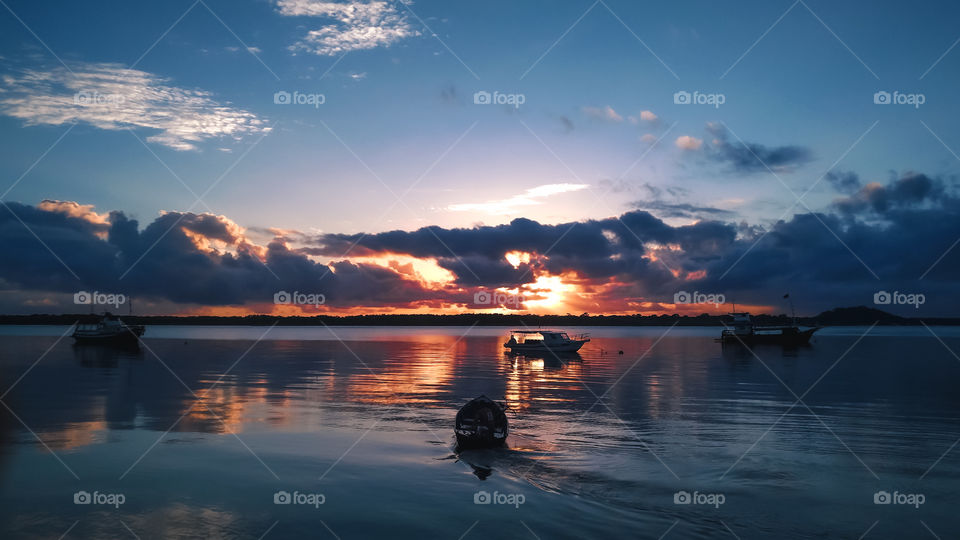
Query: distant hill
(846, 316)
(861, 315)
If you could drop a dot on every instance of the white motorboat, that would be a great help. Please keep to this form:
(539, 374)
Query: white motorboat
(528, 341)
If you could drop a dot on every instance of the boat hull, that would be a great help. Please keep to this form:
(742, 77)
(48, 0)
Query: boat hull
(785, 337)
(572, 346)
(127, 336)
(468, 442)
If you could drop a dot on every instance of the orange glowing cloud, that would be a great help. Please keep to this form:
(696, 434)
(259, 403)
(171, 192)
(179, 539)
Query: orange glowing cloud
(426, 271)
(78, 211)
(515, 258)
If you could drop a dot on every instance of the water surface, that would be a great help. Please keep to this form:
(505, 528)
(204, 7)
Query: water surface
(200, 428)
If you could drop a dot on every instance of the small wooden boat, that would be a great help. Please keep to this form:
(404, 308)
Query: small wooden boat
(481, 423)
(110, 330)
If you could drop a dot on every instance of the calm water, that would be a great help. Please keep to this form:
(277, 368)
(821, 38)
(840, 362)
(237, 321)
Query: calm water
(197, 432)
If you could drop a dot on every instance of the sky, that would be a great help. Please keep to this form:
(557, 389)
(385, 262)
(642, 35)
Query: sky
(549, 157)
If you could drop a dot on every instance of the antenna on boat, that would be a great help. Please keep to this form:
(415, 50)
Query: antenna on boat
(793, 312)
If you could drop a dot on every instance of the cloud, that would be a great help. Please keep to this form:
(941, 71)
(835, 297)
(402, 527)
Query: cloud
(516, 203)
(745, 157)
(645, 116)
(901, 230)
(606, 114)
(683, 210)
(844, 182)
(595, 248)
(686, 142)
(648, 138)
(75, 210)
(112, 97)
(637, 254)
(184, 258)
(911, 190)
(357, 26)
(254, 50)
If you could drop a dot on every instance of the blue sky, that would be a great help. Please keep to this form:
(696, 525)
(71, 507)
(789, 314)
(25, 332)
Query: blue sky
(197, 83)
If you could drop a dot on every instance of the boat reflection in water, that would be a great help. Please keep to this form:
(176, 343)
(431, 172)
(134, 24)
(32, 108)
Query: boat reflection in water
(106, 354)
(544, 360)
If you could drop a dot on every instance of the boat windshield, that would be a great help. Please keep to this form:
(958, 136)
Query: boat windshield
(525, 337)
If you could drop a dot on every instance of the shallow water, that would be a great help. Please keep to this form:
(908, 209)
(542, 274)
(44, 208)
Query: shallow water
(201, 428)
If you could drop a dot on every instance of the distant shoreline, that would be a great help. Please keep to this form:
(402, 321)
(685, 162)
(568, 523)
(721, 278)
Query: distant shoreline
(851, 316)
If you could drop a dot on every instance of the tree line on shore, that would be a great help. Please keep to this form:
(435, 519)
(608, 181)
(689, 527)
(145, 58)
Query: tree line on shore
(860, 315)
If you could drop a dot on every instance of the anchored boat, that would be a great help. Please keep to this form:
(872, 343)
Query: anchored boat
(531, 341)
(744, 331)
(481, 423)
(109, 330)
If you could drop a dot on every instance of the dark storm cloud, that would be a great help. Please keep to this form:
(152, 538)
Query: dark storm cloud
(613, 247)
(896, 232)
(27, 263)
(746, 157)
(885, 237)
(910, 190)
(162, 262)
(210, 226)
(829, 258)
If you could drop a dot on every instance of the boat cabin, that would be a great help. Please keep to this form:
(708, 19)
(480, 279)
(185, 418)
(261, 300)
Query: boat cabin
(742, 325)
(532, 337)
(107, 321)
